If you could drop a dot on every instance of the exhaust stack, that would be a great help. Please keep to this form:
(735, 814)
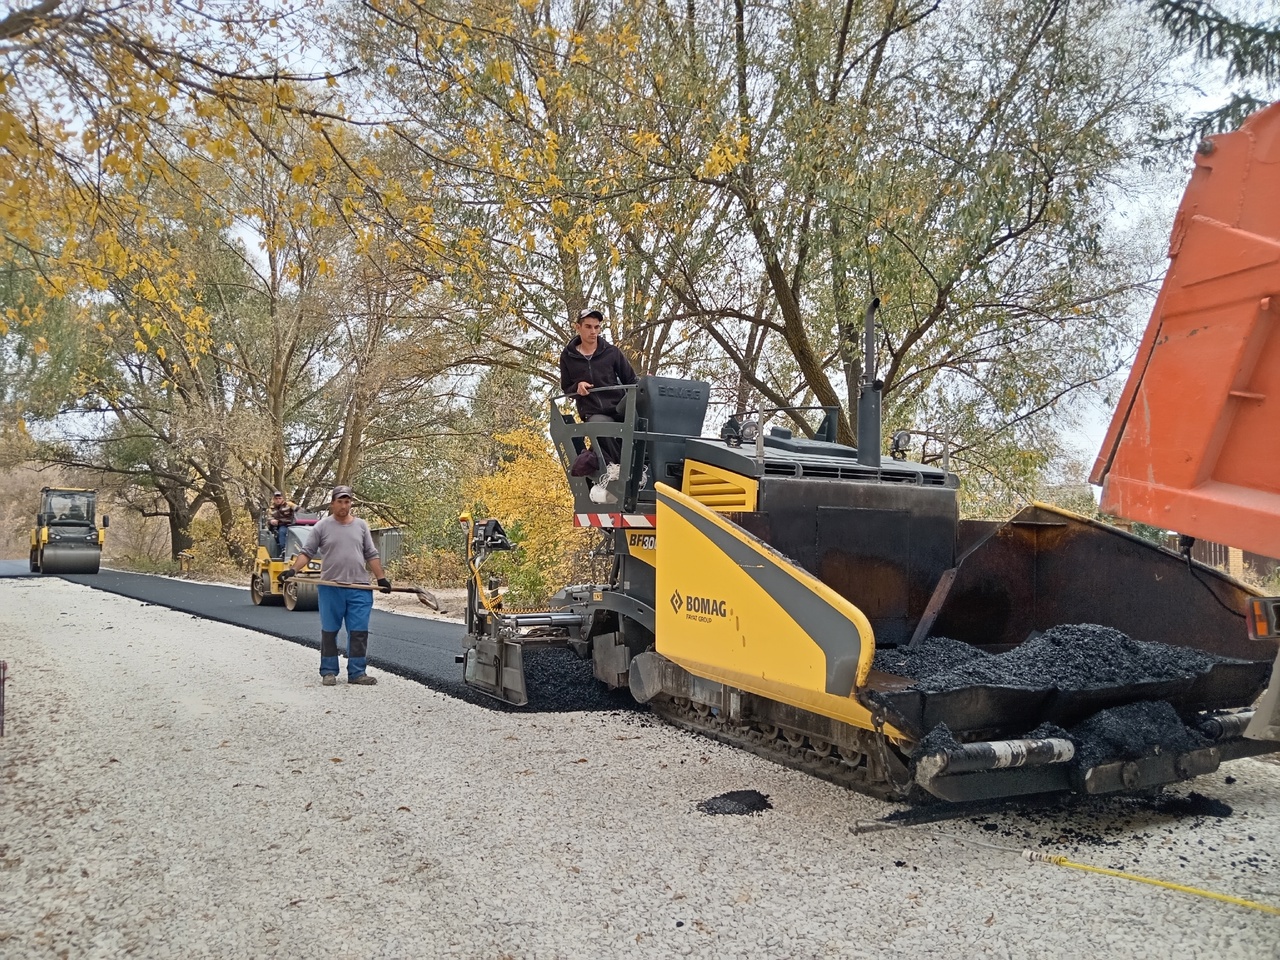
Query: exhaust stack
(869, 395)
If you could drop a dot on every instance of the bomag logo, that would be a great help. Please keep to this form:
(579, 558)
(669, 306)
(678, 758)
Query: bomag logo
(680, 393)
(699, 609)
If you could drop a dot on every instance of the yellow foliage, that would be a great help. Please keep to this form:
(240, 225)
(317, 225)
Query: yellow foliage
(211, 551)
(728, 150)
(531, 499)
(500, 71)
(645, 141)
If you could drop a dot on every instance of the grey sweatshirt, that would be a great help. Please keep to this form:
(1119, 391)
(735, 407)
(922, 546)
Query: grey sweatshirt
(343, 549)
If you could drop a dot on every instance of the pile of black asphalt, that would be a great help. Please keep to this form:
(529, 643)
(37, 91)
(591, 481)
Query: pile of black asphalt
(1070, 657)
(932, 656)
(1077, 657)
(735, 803)
(1132, 731)
(1129, 732)
(418, 648)
(938, 740)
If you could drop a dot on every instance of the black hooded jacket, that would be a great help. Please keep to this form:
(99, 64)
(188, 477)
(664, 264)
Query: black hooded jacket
(607, 366)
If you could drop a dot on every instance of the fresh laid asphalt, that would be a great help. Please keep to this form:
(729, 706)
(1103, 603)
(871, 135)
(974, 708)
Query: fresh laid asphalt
(418, 648)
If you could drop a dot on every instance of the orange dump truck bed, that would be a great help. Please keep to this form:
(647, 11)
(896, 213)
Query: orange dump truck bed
(1194, 445)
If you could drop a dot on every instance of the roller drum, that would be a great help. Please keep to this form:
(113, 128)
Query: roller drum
(260, 591)
(59, 558)
(301, 596)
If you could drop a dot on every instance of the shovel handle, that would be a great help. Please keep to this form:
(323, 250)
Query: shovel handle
(425, 597)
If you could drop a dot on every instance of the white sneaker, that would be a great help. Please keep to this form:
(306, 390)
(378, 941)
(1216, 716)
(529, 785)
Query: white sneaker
(599, 494)
(612, 472)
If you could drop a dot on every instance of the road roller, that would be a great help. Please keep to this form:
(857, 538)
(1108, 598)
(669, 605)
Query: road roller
(265, 589)
(66, 537)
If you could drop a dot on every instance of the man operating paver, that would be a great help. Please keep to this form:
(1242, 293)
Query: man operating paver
(345, 546)
(587, 362)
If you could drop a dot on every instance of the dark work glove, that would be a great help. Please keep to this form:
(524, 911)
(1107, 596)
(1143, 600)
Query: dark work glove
(384, 585)
(286, 574)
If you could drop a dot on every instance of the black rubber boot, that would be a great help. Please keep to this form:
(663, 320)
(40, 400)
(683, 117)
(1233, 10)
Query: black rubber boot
(328, 657)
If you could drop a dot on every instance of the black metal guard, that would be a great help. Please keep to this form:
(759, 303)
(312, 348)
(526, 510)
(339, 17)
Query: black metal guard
(639, 442)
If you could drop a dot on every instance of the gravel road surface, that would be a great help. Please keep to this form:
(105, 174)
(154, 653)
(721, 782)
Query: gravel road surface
(177, 787)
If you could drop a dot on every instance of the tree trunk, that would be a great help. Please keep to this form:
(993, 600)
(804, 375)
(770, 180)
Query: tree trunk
(227, 523)
(180, 517)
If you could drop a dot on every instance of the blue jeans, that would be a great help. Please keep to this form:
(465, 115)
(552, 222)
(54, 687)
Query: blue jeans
(339, 605)
(282, 537)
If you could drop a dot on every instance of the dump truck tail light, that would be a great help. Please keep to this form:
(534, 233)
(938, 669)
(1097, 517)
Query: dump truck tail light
(1262, 618)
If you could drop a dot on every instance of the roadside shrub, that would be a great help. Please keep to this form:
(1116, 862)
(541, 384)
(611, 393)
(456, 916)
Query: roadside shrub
(530, 498)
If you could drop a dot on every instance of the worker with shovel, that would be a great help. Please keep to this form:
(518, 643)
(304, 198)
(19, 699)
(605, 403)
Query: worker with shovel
(345, 545)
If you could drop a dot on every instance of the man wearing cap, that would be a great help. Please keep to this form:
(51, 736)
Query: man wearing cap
(591, 361)
(345, 546)
(280, 519)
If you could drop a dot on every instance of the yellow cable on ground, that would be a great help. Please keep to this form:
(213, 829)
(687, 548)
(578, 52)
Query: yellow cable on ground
(866, 826)
(1058, 861)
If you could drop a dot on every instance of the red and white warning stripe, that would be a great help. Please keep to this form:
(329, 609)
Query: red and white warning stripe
(615, 520)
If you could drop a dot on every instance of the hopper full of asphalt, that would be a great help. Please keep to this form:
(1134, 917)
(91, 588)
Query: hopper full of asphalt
(1062, 676)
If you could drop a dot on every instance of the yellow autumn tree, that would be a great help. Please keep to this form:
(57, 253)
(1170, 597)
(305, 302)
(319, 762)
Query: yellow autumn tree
(736, 186)
(529, 496)
(99, 102)
(513, 135)
(253, 347)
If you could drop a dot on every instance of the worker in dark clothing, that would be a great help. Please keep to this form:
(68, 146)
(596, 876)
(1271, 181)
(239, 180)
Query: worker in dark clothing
(280, 518)
(591, 361)
(345, 547)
